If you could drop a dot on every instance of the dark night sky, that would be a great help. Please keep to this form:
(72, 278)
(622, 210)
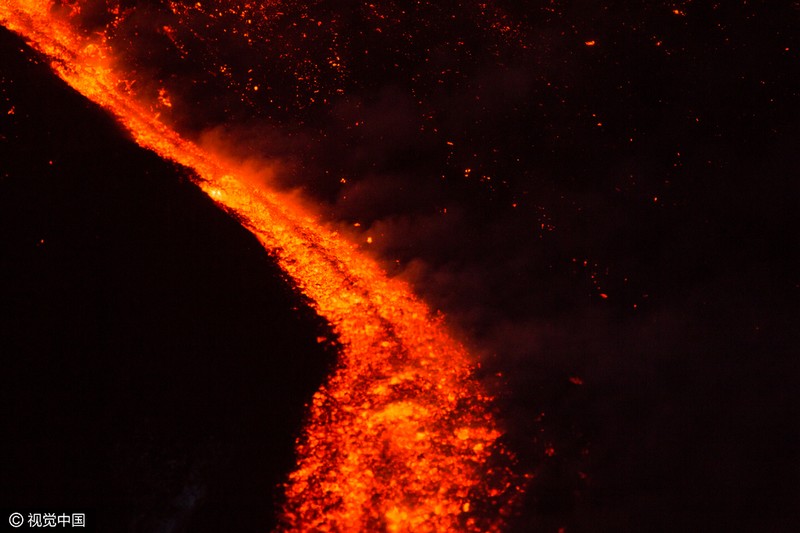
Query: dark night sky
(623, 249)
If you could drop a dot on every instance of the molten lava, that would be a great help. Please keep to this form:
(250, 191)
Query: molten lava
(400, 437)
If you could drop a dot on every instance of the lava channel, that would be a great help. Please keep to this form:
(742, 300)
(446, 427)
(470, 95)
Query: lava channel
(400, 437)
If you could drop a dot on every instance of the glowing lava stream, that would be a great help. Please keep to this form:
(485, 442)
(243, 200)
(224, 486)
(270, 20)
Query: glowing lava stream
(401, 437)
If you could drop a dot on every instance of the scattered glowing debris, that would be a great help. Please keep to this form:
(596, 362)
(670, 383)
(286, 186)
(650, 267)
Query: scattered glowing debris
(163, 98)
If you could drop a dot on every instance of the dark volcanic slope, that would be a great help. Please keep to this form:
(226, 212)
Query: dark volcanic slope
(155, 365)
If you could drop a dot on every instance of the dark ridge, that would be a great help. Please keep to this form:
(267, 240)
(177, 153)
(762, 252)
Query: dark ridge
(155, 363)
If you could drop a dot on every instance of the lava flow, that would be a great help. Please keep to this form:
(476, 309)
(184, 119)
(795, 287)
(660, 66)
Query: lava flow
(401, 436)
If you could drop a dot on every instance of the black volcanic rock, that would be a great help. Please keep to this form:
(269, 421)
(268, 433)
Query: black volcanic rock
(155, 363)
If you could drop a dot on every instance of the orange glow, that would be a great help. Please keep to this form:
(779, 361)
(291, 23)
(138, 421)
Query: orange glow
(401, 436)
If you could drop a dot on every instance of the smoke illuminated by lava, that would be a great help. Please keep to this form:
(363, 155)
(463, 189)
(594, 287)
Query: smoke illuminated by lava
(401, 437)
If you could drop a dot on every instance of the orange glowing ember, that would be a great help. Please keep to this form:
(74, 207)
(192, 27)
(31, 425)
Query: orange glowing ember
(401, 437)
